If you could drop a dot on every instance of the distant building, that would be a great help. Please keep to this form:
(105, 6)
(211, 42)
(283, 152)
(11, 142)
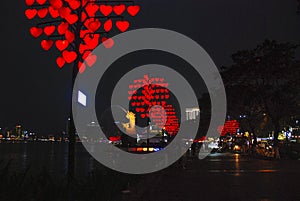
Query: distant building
(18, 132)
(192, 113)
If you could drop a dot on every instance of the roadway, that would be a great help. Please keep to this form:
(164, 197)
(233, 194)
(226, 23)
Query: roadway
(221, 176)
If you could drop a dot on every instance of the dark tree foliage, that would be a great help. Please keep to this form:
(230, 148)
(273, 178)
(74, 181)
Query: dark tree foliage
(264, 80)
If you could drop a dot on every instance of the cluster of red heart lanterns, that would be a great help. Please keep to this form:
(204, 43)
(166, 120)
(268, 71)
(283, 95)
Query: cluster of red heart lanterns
(77, 27)
(230, 126)
(147, 92)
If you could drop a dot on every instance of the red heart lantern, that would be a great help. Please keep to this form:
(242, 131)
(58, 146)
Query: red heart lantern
(60, 62)
(53, 12)
(94, 25)
(119, 9)
(57, 4)
(133, 10)
(36, 32)
(91, 60)
(49, 30)
(69, 56)
(87, 22)
(61, 44)
(70, 36)
(42, 12)
(86, 54)
(92, 41)
(46, 44)
(108, 42)
(106, 9)
(72, 18)
(41, 2)
(91, 9)
(122, 25)
(29, 2)
(74, 4)
(81, 67)
(62, 28)
(30, 13)
(108, 25)
(83, 48)
(64, 12)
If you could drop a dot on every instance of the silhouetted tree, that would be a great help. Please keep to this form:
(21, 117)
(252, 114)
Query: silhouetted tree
(265, 80)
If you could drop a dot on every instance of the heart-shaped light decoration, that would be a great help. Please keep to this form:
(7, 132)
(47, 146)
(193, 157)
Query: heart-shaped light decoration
(49, 30)
(133, 10)
(41, 2)
(30, 13)
(70, 36)
(62, 28)
(53, 12)
(122, 25)
(57, 4)
(119, 9)
(69, 56)
(71, 18)
(74, 4)
(94, 25)
(87, 23)
(91, 59)
(91, 9)
(36, 31)
(42, 12)
(108, 25)
(92, 40)
(61, 44)
(83, 48)
(106, 9)
(86, 54)
(29, 2)
(108, 42)
(70, 12)
(64, 12)
(46, 44)
(60, 62)
(81, 67)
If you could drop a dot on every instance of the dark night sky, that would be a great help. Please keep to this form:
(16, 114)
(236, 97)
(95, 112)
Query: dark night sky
(35, 93)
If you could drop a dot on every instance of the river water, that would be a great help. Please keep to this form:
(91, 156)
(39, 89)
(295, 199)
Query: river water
(51, 155)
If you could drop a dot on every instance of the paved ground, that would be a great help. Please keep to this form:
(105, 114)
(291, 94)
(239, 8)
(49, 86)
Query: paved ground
(223, 177)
